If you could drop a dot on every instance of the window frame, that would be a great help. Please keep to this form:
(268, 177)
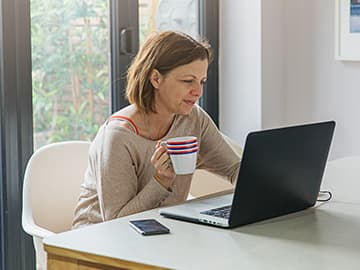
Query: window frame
(209, 29)
(16, 143)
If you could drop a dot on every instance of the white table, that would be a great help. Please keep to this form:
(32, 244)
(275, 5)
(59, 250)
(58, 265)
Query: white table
(324, 237)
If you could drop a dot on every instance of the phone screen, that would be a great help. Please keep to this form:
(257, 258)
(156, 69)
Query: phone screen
(148, 226)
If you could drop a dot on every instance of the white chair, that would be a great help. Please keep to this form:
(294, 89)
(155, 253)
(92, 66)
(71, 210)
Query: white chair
(51, 189)
(204, 182)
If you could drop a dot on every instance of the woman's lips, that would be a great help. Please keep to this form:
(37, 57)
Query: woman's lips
(190, 102)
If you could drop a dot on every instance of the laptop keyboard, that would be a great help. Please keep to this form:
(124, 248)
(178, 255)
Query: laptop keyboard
(221, 212)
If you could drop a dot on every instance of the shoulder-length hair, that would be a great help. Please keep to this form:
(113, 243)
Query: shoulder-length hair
(162, 51)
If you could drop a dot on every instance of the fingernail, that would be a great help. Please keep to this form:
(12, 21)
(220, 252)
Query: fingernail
(162, 143)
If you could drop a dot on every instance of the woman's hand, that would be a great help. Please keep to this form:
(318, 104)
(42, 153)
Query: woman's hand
(164, 172)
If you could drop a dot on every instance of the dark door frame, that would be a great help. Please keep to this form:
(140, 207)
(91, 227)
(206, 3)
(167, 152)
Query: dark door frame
(124, 30)
(209, 29)
(16, 143)
(124, 43)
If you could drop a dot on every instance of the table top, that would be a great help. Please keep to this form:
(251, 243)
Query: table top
(322, 237)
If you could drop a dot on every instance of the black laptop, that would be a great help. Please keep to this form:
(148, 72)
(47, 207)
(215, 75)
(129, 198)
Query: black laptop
(280, 173)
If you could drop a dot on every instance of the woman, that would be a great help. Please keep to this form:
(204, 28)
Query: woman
(128, 169)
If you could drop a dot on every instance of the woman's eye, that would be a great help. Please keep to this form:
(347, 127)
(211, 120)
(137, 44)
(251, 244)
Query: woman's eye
(192, 81)
(187, 81)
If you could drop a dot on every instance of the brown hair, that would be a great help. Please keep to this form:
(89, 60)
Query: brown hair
(163, 51)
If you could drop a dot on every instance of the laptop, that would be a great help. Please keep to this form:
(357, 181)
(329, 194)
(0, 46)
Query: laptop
(280, 173)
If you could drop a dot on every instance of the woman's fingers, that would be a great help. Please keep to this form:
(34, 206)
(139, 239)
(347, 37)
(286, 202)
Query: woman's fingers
(164, 173)
(159, 151)
(161, 160)
(160, 156)
(164, 158)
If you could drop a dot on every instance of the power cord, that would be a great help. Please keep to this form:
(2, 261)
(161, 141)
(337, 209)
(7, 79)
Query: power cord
(323, 193)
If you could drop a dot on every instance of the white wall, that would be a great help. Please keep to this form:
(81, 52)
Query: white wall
(273, 63)
(300, 80)
(240, 67)
(318, 86)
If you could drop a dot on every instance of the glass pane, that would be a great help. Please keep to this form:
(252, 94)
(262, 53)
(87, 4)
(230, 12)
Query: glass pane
(168, 15)
(70, 68)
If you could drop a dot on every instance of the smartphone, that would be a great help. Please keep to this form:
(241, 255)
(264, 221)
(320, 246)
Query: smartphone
(148, 226)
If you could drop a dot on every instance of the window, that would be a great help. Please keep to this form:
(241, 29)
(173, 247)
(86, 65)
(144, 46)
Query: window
(70, 69)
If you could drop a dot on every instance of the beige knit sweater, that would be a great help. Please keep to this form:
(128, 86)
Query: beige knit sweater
(119, 178)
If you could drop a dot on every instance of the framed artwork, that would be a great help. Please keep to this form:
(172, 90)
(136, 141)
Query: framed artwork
(347, 30)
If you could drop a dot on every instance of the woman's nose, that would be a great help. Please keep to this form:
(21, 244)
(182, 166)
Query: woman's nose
(197, 90)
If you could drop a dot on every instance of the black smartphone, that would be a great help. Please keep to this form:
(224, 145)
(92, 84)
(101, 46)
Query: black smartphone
(148, 226)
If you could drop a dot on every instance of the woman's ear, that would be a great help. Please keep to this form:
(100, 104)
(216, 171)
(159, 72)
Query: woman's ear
(155, 78)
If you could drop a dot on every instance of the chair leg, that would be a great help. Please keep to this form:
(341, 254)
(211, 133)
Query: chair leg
(40, 254)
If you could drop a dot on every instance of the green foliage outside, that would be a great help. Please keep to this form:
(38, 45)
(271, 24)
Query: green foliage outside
(70, 51)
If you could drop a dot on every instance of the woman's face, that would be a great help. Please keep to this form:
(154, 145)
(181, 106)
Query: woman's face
(179, 90)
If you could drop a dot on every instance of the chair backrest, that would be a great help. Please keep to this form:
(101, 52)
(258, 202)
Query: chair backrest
(205, 182)
(52, 182)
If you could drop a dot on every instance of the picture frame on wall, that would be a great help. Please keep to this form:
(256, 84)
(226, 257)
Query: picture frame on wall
(347, 30)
